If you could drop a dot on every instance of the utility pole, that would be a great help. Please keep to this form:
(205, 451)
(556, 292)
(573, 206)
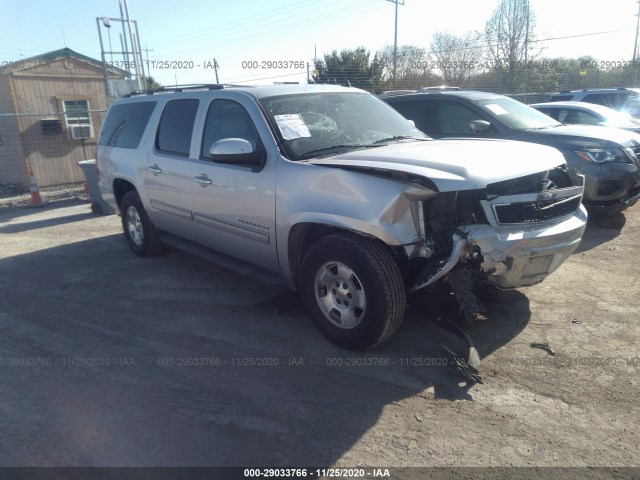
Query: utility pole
(635, 47)
(526, 53)
(395, 39)
(146, 51)
(136, 50)
(133, 48)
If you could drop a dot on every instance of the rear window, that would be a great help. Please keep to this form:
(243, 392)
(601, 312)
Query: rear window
(176, 127)
(125, 124)
(611, 100)
(560, 98)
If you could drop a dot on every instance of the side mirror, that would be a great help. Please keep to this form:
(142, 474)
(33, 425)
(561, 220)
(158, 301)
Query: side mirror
(413, 124)
(479, 126)
(236, 151)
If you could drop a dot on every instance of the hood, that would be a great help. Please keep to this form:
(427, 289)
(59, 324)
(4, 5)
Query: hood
(630, 127)
(456, 164)
(589, 135)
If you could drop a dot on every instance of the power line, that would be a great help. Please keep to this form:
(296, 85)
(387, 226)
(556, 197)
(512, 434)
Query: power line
(216, 30)
(302, 72)
(283, 28)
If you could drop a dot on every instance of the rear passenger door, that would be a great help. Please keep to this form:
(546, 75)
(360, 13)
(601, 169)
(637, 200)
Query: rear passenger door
(167, 176)
(234, 204)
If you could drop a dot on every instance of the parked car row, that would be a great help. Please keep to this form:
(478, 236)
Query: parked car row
(609, 158)
(625, 100)
(355, 206)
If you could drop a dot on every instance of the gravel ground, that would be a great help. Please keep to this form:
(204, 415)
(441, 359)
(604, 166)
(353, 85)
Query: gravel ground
(108, 359)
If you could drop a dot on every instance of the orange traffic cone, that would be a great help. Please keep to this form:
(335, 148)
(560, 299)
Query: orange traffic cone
(33, 187)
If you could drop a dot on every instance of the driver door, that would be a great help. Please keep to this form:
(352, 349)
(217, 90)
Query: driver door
(234, 204)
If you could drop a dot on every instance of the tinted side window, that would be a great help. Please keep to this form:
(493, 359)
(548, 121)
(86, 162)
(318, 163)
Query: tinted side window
(228, 119)
(551, 112)
(176, 126)
(125, 124)
(413, 110)
(450, 118)
(611, 100)
(577, 117)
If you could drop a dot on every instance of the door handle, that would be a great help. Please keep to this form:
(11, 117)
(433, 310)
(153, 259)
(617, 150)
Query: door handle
(155, 169)
(203, 180)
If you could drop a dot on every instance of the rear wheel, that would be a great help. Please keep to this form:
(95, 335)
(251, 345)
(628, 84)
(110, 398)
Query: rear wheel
(139, 232)
(353, 290)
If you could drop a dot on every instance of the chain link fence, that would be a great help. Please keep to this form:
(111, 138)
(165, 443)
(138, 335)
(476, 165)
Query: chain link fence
(39, 152)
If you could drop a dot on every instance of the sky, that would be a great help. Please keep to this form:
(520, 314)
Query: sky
(240, 34)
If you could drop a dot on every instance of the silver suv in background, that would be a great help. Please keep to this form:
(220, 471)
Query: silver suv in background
(583, 113)
(337, 192)
(622, 99)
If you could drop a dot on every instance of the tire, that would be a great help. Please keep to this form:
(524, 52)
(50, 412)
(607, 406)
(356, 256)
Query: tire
(96, 208)
(139, 232)
(353, 290)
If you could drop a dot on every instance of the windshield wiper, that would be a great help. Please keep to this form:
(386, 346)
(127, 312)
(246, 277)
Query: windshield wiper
(398, 137)
(333, 148)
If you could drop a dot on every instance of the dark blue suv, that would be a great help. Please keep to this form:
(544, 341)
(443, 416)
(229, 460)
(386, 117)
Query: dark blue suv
(609, 158)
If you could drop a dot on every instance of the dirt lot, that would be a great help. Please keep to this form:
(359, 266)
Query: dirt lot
(108, 359)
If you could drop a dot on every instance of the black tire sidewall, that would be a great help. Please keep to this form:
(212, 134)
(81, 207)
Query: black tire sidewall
(374, 323)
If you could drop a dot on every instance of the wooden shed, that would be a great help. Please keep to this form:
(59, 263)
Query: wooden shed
(51, 111)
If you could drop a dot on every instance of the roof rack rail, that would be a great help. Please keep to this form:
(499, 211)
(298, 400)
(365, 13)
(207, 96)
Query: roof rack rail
(441, 88)
(180, 88)
(398, 92)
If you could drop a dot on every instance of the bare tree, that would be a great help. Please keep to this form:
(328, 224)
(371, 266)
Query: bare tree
(457, 58)
(410, 67)
(509, 33)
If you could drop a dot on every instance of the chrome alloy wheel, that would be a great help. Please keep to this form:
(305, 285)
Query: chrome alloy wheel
(340, 295)
(134, 226)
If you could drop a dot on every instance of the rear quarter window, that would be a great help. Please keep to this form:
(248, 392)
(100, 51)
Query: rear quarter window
(125, 123)
(611, 100)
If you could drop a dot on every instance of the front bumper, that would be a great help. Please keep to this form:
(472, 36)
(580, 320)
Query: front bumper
(610, 186)
(526, 256)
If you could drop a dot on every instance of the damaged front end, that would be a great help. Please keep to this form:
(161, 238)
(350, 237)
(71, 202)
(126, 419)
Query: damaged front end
(511, 234)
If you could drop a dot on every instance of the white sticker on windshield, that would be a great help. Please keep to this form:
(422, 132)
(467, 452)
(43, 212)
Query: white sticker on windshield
(292, 126)
(497, 109)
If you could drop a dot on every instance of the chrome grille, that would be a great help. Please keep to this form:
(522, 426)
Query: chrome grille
(533, 208)
(534, 212)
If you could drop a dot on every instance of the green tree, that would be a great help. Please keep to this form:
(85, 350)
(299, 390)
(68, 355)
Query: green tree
(349, 67)
(152, 83)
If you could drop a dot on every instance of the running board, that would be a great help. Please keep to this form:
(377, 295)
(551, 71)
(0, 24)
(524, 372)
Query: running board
(225, 261)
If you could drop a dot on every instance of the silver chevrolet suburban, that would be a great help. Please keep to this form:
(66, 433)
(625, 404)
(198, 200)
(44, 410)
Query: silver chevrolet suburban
(335, 191)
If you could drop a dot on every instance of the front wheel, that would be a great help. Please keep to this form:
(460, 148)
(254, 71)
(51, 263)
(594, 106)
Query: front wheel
(353, 290)
(139, 232)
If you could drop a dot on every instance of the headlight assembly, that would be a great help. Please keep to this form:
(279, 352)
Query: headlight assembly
(603, 155)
